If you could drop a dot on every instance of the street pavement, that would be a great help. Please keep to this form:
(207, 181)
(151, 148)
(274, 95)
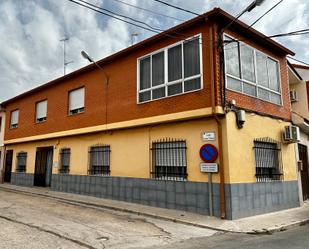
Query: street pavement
(294, 238)
(35, 222)
(31, 221)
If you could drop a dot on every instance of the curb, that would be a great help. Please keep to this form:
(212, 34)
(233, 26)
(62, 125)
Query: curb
(265, 231)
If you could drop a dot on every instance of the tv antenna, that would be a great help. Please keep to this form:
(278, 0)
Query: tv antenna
(65, 62)
(135, 34)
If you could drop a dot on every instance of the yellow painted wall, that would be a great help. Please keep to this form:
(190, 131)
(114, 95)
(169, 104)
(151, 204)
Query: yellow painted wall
(130, 148)
(241, 163)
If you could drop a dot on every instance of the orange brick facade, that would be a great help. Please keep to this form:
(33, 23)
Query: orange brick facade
(122, 92)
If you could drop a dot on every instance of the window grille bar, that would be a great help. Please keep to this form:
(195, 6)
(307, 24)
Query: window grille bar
(268, 160)
(99, 160)
(169, 160)
(21, 162)
(65, 155)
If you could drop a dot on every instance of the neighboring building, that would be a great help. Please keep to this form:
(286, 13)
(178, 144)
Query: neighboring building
(136, 134)
(2, 125)
(299, 95)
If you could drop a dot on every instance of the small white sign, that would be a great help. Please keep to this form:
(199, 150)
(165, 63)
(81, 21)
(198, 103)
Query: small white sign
(55, 165)
(209, 136)
(209, 167)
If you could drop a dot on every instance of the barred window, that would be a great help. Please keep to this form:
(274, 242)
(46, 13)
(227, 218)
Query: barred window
(169, 160)
(21, 162)
(268, 160)
(99, 160)
(64, 165)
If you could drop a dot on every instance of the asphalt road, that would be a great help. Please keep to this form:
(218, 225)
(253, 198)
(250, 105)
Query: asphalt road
(295, 238)
(34, 222)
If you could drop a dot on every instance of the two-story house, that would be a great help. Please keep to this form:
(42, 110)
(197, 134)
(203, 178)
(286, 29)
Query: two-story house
(299, 95)
(148, 125)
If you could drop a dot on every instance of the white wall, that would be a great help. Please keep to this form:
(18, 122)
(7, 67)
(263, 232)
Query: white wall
(304, 73)
(2, 125)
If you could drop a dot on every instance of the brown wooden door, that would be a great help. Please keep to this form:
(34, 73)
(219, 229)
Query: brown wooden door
(8, 166)
(43, 167)
(303, 156)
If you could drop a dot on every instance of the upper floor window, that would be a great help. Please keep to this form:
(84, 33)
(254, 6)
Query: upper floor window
(14, 119)
(171, 71)
(21, 162)
(41, 111)
(77, 101)
(251, 72)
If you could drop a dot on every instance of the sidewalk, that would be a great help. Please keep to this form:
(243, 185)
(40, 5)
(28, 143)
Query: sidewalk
(266, 223)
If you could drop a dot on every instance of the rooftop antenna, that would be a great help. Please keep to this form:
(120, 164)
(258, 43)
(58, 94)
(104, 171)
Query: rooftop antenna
(135, 34)
(65, 62)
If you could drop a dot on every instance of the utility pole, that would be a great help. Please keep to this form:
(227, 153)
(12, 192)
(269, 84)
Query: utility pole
(65, 63)
(132, 37)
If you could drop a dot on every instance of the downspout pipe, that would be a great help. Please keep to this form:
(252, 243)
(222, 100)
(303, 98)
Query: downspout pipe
(213, 69)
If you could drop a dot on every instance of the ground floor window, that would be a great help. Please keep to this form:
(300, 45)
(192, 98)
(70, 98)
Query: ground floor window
(65, 155)
(99, 160)
(268, 160)
(21, 162)
(169, 160)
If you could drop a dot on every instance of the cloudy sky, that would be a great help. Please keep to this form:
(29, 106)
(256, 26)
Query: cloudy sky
(30, 32)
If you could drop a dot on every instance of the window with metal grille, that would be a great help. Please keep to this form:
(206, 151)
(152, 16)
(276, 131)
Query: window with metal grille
(268, 160)
(65, 155)
(169, 160)
(21, 162)
(99, 160)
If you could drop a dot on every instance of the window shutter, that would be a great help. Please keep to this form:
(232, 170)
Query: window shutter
(41, 109)
(77, 99)
(14, 117)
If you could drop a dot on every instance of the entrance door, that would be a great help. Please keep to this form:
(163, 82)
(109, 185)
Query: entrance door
(43, 167)
(8, 166)
(303, 156)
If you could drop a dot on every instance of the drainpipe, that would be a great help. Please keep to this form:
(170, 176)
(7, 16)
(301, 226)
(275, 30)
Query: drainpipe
(218, 120)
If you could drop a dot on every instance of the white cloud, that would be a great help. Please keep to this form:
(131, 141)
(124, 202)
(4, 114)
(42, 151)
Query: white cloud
(30, 30)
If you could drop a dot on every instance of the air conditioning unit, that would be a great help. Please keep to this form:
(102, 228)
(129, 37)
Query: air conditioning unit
(293, 96)
(291, 134)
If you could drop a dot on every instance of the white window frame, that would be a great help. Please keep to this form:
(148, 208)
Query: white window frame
(42, 119)
(256, 76)
(166, 83)
(79, 110)
(15, 125)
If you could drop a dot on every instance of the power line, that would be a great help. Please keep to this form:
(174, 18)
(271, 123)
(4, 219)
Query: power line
(266, 13)
(290, 57)
(176, 7)
(103, 13)
(148, 10)
(117, 14)
(168, 35)
(149, 28)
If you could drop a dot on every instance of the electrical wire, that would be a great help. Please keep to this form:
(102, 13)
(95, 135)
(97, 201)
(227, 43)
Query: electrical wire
(298, 32)
(148, 10)
(123, 16)
(265, 13)
(176, 7)
(128, 22)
